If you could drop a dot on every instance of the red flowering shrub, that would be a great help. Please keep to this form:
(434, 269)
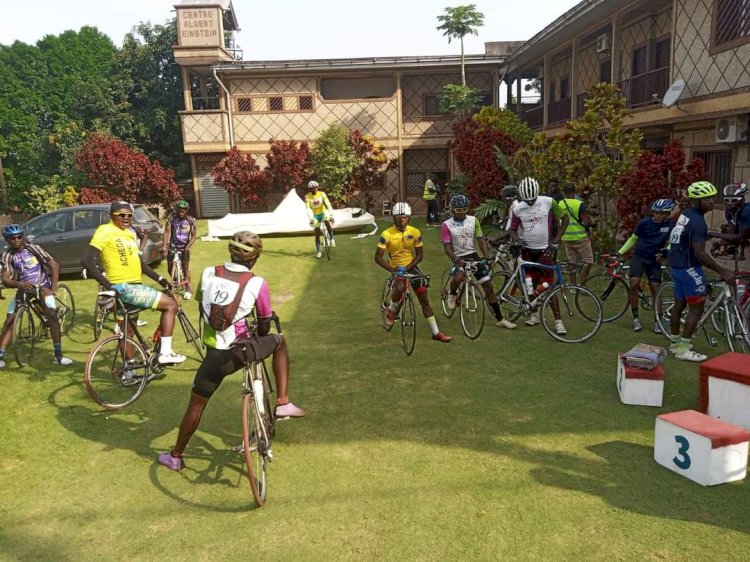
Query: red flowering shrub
(238, 173)
(655, 176)
(288, 164)
(119, 172)
(474, 149)
(372, 163)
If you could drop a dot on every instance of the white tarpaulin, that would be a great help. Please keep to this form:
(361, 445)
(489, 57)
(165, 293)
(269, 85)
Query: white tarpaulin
(290, 217)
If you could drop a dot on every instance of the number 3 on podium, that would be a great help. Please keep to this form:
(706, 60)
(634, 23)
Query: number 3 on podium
(682, 460)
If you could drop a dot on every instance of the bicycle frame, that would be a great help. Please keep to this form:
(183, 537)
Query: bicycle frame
(519, 275)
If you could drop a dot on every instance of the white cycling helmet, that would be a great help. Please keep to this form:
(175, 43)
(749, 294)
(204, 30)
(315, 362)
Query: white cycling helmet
(313, 184)
(528, 189)
(401, 209)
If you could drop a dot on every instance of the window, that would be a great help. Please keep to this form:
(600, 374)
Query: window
(376, 87)
(306, 103)
(605, 71)
(731, 24)
(718, 166)
(485, 99)
(276, 103)
(639, 64)
(431, 106)
(49, 224)
(87, 219)
(244, 105)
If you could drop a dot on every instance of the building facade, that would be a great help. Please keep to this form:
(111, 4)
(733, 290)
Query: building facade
(700, 49)
(233, 103)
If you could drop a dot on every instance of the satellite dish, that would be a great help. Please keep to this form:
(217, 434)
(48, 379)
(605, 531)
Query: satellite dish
(673, 94)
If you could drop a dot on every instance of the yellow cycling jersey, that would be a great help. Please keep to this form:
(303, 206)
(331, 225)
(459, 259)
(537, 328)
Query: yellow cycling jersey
(400, 245)
(119, 249)
(317, 202)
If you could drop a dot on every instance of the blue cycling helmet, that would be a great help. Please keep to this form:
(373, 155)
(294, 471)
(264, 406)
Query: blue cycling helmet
(12, 230)
(459, 201)
(662, 205)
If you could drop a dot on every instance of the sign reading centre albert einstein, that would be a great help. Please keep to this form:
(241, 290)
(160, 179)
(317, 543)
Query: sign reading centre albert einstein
(199, 27)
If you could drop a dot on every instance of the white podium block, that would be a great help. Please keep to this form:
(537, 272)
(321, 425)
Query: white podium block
(701, 448)
(639, 387)
(725, 388)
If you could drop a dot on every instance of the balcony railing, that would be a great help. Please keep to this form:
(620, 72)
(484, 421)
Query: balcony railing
(639, 90)
(428, 126)
(532, 115)
(558, 111)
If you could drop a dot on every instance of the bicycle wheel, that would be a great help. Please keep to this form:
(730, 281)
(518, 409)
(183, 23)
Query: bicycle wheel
(66, 308)
(24, 335)
(385, 300)
(408, 325)
(445, 280)
(326, 239)
(509, 300)
(178, 277)
(113, 380)
(268, 406)
(736, 329)
(254, 444)
(472, 310)
(580, 312)
(613, 293)
(100, 316)
(663, 305)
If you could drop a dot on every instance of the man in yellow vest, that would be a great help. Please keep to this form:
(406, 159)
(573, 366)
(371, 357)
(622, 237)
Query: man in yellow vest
(575, 239)
(430, 195)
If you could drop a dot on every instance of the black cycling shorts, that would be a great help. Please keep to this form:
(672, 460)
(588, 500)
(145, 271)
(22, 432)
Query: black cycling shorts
(220, 363)
(652, 268)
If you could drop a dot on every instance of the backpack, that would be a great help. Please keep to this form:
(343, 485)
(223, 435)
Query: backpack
(221, 316)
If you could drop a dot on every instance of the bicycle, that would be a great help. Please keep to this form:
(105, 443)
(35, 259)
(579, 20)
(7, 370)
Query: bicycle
(104, 307)
(723, 312)
(258, 422)
(469, 299)
(27, 331)
(613, 288)
(405, 313)
(178, 280)
(119, 367)
(325, 238)
(515, 300)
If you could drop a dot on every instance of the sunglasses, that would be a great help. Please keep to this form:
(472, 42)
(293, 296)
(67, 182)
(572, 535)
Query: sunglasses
(16, 237)
(461, 210)
(732, 199)
(123, 215)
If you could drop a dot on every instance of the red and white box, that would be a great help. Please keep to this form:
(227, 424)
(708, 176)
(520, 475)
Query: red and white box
(639, 387)
(725, 388)
(705, 450)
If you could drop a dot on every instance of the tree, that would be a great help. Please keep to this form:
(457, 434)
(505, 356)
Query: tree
(654, 176)
(288, 164)
(114, 168)
(372, 165)
(333, 160)
(459, 22)
(149, 88)
(239, 173)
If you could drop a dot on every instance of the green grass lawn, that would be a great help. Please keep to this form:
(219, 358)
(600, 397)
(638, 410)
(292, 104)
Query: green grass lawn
(512, 446)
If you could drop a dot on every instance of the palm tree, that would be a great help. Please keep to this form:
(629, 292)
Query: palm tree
(457, 23)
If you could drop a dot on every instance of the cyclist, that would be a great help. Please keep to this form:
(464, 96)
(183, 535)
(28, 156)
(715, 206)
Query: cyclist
(649, 239)
(575, 239)
(537, 215)
(405, 251)
(458, 234)
(687, 256)
(112, 259)
(251, 292)
(179, 236)
(319, 210)
(737, 214)
(27, 267)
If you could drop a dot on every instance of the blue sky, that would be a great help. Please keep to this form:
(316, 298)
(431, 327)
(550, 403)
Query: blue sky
(297, 29)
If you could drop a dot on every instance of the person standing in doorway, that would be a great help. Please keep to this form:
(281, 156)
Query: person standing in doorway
(430, 197)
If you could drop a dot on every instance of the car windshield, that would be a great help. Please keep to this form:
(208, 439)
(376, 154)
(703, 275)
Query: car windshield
(143, 215)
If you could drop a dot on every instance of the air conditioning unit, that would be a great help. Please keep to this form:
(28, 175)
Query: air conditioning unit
(603, 43)
(732, 129)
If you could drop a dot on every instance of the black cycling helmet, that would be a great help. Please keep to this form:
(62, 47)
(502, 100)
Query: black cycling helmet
(509, 192)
